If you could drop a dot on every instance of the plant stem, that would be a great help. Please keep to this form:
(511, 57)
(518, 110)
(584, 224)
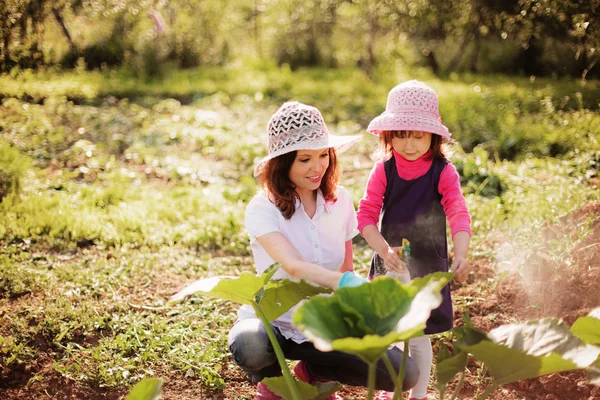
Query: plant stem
(287, 375)
(371, 381)
(403, 366)
(442, 392)
(459, 386)
(392, 372)
(487, 392)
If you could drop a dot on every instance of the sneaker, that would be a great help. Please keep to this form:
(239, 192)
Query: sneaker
(263, 393)
(383, 395)
(302, 373)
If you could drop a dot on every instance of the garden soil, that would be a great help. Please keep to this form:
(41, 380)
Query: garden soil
(497, 292)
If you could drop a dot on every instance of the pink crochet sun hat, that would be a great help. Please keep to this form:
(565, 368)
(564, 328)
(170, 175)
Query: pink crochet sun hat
(411, 106)
(296, 126)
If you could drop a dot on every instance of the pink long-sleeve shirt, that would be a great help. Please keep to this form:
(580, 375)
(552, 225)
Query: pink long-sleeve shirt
(453, 202)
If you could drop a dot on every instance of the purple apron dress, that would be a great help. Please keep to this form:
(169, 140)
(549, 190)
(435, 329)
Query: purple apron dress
(412, 209)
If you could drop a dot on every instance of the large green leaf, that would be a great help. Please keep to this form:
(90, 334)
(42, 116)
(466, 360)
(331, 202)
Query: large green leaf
(242, 289)
(588, 328)
(522, 351)
(366, 320)
(380, 311)
(321, 391)
(281, 295)
(273, 296)
(146, 389)
(448, 364)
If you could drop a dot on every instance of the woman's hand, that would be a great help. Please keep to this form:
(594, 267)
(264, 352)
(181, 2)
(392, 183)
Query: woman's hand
(351, 279)
(461, 267)
(392, 261)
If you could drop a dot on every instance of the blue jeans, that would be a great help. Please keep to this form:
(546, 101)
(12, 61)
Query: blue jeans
(252, 351)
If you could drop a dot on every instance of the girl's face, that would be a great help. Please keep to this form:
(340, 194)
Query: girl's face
(308, 169)
(411, 144)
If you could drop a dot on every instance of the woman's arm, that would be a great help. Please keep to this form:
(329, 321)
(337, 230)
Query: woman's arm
(347, 265)
(282, 251)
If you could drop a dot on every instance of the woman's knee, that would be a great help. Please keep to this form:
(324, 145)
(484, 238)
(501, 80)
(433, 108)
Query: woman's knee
(250, 346)
(411, 373)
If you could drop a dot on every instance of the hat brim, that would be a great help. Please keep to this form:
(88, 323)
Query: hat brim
(409, 121)
(339, 143)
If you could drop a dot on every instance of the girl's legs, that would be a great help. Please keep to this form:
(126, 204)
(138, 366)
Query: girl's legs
(422, 354)
(252, 351)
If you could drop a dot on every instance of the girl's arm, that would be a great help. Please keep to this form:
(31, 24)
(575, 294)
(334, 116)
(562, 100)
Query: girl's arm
(390, 256)
(369, 209)
(458, 216)
(461, 264)
(282, 251)
(453, 201)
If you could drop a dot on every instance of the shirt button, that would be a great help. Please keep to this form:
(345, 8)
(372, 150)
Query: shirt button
(316, 246)
(312, 227)
(318, 263)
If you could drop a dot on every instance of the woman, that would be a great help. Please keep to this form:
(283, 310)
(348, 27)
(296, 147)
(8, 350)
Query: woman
(305, 222)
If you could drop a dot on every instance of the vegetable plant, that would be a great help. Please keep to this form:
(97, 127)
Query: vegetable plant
(515, 352)
(269, 299)
(366, 320)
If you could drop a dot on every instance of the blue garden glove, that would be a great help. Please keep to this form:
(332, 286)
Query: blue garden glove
(350, 279)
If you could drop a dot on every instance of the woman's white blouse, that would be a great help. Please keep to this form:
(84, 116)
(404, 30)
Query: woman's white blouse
(321, 240)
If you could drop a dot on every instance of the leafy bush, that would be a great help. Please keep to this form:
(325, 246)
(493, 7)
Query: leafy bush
(476, 173)
(13, 166)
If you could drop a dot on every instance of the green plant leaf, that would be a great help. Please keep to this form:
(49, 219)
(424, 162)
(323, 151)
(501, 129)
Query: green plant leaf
(281, 295)
(522, 351)
(367, 319)
(242, 289)
(321, 391)
(588, 328)
(448, 364)
(146, 389)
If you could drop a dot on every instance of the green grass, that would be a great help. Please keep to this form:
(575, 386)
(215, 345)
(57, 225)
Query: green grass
(115, 204)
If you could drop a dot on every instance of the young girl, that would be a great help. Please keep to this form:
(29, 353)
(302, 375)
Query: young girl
(303, 220)
(415, 188)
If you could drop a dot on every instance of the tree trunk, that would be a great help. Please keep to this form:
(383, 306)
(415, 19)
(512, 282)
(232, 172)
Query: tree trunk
(256, 27)
(433, 64)
(463, 46)
(585, 71)
(475, 53)
(63, 27)
(368, 65)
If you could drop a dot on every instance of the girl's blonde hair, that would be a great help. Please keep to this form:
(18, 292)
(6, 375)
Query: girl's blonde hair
(385, 149)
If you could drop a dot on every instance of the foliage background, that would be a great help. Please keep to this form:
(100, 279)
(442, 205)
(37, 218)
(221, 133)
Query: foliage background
(126, 156)
(530, 37)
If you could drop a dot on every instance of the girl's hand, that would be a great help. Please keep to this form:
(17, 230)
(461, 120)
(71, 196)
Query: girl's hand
(392, 261)
(462, 267)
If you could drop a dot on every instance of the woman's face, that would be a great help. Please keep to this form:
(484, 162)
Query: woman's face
(308, 169)
(411, 144)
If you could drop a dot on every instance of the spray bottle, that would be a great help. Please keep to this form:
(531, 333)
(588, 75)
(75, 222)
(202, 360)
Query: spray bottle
(404, 254)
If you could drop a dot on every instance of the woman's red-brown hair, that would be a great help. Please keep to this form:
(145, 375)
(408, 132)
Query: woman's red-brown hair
(386, 147)
(275, 180)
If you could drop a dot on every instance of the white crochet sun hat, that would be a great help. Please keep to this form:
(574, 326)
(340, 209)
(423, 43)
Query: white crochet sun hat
(411, 106)
(297, 126)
